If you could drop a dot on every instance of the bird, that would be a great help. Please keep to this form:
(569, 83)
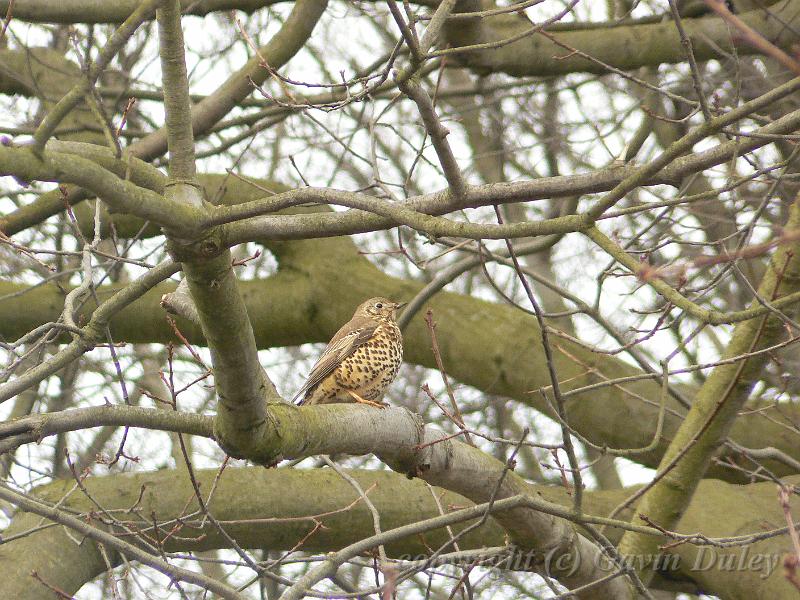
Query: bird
(361, 360)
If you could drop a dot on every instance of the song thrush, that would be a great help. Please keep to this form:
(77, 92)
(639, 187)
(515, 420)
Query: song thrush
(361, 360)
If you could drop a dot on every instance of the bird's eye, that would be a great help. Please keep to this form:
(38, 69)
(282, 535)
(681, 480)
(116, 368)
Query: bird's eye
(379, 305)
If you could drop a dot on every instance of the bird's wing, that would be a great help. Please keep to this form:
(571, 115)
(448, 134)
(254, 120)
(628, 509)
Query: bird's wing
(346, 341)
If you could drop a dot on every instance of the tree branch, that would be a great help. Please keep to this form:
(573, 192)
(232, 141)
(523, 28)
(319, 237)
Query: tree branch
(112, 541)
(276, 511)
(719, 400)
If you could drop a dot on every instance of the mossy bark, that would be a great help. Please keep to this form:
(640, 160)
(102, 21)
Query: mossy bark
(718, 402)
(242, 496)
(489, 346)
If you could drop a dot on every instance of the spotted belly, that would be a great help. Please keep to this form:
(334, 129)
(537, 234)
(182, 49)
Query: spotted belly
(368, 372)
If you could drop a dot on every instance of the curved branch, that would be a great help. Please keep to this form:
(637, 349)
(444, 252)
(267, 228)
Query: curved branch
(121, 195)
(275, 509)
(111, 541)
(608, 43)
(488, 48)
(277, 52)
(93, 332)
(396, 436)
(308, 304)
(290, 227)
(68, 102)
(718, 402)
(34, 428)
(401, 440)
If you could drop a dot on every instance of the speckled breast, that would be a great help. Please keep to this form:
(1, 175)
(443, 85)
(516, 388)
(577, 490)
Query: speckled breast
(372, 367)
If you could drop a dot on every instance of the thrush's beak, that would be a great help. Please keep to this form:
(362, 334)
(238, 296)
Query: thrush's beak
(399, 305)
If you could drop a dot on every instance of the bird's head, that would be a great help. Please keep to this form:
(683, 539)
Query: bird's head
(380, 308)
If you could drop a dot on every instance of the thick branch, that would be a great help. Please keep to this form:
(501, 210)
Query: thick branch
(58, 113)
(307, 303)
(177, 106)
(92, 333)
(282, 47)
(606, 49)
(609, 43)
(387, 215)
(112, 542)
(34, 428)
(360, 221)
(121, 195)
(720, 398)
(262, 509)
(242, 388)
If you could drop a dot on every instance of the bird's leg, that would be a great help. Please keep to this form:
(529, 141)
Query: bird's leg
(361, 400)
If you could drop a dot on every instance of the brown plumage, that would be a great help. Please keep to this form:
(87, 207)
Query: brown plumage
(361, 360)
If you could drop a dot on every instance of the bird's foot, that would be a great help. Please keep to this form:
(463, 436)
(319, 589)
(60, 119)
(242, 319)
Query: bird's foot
(361, 400)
